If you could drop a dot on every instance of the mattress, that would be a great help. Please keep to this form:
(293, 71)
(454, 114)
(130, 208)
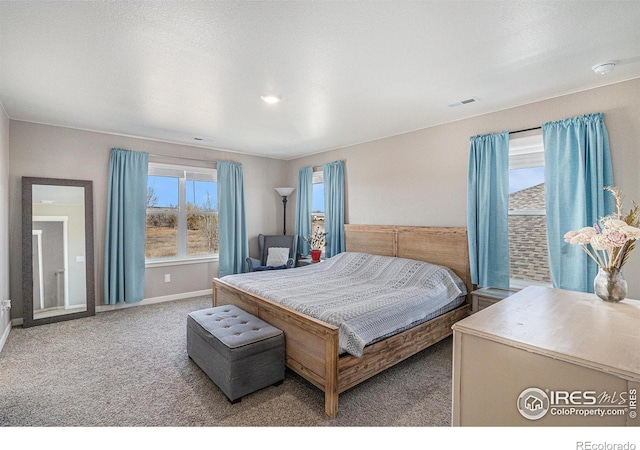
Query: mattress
(368, 297)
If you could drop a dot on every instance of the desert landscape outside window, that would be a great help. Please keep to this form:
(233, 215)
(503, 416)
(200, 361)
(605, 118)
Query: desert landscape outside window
(182, 212)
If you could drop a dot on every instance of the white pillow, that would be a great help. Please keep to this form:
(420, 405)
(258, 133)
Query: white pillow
(277, 256)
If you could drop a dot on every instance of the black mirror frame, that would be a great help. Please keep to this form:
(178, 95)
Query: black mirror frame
(27, 243)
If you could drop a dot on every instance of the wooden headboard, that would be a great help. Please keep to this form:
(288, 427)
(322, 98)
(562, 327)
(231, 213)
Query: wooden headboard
(446, 246)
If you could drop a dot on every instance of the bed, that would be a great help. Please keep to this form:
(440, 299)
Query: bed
(313, 346)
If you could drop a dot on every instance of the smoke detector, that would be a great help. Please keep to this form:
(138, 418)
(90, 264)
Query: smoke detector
(604, 68)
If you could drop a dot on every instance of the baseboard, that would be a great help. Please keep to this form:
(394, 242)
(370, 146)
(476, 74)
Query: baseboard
(102, 308)
(5, 336)
(154, 300)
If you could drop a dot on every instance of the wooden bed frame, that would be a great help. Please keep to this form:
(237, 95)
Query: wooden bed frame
(312, 346)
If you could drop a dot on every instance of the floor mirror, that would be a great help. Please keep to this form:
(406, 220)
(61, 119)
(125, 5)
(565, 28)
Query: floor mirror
(57, 250)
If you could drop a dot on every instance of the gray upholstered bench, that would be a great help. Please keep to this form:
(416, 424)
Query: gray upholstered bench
(238, 351)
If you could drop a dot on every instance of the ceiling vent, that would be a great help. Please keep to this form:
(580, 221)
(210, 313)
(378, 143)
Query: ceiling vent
(463, 102)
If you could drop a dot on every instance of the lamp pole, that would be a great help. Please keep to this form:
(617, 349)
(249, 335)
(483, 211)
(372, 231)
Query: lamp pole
(284, 193)
(284, 216)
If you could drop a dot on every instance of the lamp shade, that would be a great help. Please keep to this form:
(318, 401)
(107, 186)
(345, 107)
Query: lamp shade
(285, 191)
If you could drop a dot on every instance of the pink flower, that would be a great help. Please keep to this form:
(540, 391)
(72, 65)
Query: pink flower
(583, 236)
(569, 234)
(614, 237)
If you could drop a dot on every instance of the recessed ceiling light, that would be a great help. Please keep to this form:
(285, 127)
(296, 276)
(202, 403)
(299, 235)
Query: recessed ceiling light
(270, 99)
(604, 68)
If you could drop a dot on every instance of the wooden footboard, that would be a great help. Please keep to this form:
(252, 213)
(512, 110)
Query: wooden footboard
(312, 348)
(311, 345)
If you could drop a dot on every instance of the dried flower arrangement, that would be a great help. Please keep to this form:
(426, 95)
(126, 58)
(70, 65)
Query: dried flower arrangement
(609, 241)
(316, 240)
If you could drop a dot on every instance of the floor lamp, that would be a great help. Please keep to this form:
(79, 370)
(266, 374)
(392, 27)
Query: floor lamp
(284, 193)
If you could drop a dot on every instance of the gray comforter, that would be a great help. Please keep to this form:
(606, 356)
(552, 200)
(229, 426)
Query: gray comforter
(367, 296)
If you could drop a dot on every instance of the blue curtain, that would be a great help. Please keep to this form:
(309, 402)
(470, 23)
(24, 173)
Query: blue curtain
(303, 208)
(334, 207)
(577, 167)
(125, 227)
(234, 244)
(487, 209)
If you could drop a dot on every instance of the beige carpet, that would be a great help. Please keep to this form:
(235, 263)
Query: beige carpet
(129, 368)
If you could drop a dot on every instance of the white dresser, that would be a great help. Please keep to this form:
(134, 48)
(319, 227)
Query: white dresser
(548, 357)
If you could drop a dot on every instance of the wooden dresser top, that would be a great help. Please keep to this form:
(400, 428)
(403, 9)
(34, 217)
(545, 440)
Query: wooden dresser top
(571, 326)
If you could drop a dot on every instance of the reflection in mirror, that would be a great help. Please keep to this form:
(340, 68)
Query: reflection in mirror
(59, 258)
(59, 234)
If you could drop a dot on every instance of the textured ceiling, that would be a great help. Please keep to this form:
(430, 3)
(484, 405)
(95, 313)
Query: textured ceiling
(347, 72)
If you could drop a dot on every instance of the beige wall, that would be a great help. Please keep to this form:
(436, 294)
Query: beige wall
(55, 152)
(4, 220)
(420, 178)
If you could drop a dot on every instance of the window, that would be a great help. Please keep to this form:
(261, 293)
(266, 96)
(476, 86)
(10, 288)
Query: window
(528, 253)
(317, 202)
(182, 213)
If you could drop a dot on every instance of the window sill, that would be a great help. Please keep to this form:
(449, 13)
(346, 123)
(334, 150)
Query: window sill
(179, 262)
(521, 284)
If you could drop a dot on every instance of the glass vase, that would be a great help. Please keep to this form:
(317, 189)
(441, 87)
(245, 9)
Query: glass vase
(609, 285)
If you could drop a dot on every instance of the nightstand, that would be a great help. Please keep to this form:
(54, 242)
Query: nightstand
(305, 261)
(484, 297)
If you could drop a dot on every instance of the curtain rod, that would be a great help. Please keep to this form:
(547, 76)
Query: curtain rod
(321, 167)
(528, 129)
(183, 157)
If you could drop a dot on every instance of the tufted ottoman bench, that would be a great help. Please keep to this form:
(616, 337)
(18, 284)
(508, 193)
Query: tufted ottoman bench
(238, 351)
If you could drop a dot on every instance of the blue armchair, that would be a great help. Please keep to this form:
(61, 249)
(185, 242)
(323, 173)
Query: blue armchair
(265, 243)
